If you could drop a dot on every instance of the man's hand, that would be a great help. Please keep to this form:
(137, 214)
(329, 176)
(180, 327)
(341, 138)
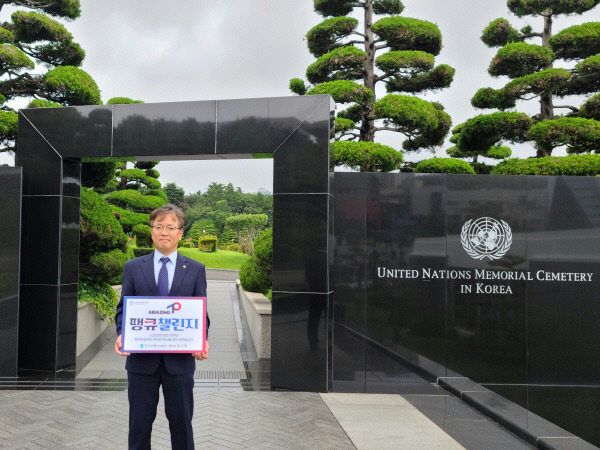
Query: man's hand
(201, 356)
(118, 346)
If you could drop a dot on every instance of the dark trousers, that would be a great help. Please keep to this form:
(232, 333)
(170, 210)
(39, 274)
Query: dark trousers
(179, 407)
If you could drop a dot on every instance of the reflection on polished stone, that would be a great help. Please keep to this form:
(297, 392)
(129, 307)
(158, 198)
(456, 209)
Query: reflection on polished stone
(300, 338)
(73, 131)
(300, 263)
(519, 311)
(151, 130)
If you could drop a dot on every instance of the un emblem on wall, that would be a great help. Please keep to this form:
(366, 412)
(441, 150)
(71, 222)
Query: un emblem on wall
(486, 237)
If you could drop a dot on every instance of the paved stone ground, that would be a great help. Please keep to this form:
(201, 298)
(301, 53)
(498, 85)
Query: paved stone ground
(222, 420)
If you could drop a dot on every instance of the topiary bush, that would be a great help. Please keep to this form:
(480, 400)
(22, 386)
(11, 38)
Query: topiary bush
(255, 274)
(111, 264)
(364, 156)
(128, 219)
(207, 243)
(253, 278)
(135, 200)
(102, 255)
(99, 233)
(573, 165)
(444, 165)
(263, 248)
(143, 237)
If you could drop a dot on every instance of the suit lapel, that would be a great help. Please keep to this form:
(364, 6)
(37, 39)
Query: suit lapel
(148, 270)
(180, 272)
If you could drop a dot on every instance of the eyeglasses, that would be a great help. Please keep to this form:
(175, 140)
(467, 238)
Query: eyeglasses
(170, 228)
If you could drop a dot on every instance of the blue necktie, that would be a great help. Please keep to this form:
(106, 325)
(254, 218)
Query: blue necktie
(163, 279)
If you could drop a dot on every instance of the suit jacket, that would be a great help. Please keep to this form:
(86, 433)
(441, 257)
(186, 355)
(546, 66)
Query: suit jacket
(189, 280)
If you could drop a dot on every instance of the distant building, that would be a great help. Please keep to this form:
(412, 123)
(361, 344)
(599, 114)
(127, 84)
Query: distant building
(264, 191)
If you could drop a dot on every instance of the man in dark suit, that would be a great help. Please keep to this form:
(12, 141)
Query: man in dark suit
(146, 372)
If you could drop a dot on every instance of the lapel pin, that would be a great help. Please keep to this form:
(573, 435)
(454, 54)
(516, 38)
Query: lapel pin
(184, 267)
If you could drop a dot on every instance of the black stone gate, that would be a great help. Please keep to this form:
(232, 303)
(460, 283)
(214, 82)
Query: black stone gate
(295, 130)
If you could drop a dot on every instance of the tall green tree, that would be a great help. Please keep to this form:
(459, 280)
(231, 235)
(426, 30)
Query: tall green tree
(175, 194)
(221, 201)
(247, 227)
(396, 52)
(40, 61)
(530, 66)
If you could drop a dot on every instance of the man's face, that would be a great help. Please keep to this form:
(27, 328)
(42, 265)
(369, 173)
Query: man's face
(166, 241)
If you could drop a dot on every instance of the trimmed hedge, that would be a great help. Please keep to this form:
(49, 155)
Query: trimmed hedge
(208, 243)
(444, 165)
(573, 165)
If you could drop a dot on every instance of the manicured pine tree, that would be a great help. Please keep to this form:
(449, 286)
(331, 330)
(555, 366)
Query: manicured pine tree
(40, 61)
(134, 193)
(534, 77)
(395, 51)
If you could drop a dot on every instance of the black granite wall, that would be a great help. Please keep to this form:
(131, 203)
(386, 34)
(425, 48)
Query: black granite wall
(426, 285)
(10, 199)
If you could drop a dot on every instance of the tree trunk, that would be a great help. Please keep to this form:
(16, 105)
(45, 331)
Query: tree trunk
(367, 129)
(546, 99)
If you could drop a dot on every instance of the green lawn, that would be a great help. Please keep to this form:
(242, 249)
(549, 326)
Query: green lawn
(221, 259)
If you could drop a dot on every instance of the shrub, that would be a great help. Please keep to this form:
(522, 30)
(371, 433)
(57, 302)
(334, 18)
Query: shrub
(230, 247)
(128, 219)
(101, 295)
(143, 237)
(135, 200)
(188, 244)
(247, 227)
(364, 156)
(444, 165)
(110, 264)
(208, 243)
(99, 229)
(263, 248)
(103, 244)
(573, 165)
(481, 168)
(255, 274)
(253, 278)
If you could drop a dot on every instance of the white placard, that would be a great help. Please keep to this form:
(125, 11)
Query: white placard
(164, 324)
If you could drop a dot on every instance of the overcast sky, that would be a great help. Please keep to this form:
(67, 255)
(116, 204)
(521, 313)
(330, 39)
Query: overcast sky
(159, 51)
